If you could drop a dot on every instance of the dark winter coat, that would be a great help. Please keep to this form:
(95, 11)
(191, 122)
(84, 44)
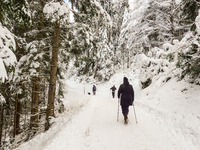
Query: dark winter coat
(113, 88)
(94, 88)
(126, 92)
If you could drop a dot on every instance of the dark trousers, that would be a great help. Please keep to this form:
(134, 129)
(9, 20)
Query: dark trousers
(113, 94)
(94, 92)
(125, 109)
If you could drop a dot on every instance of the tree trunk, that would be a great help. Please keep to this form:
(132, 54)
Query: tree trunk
(95, 69)
(52, 82)
(180, 34)
(19, 54)
(109, 36)
(118, 31)
(18, 106)
(97, 28)
(1, 123)
(72, 1)
(97, 34)
(36, 82)
(128, 59)
(172, 25)
(19, 109)
(17, 116)
(86, 69)
(34, 104)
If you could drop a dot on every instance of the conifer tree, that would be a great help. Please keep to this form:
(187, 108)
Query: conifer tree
(14, 17)
(85, 45)
(57, 17)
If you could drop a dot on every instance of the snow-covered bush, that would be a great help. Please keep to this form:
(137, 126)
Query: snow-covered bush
(181, 59)
(189, 59)
(189, 55)
(158, 63)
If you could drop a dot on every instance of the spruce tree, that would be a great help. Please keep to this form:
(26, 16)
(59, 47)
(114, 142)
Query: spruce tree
(92, 20)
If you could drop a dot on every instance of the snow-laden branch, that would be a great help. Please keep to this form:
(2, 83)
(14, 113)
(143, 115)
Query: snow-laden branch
(56, 11)
(197, 22)
(106, 19)
(7, 57)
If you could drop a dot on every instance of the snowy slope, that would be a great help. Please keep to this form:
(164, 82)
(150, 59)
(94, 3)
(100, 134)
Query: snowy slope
(167, 119)
(175, 105)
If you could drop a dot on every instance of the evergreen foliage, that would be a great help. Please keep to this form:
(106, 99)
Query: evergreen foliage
(189, 11)
(189, 62)
(84, 41)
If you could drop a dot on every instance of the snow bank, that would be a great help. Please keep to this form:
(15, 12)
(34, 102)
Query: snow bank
(174, 104)
(75, 102)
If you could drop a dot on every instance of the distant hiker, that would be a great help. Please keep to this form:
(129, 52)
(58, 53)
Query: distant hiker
(126, 93)
(94, 89)
(113, 90)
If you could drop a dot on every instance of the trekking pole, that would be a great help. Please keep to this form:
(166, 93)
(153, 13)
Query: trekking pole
(118, 111)
(134, 113)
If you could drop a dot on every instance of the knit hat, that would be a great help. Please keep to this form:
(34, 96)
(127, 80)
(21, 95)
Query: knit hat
(125, 80)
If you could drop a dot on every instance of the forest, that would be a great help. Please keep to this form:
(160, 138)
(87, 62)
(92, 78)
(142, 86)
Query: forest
(44, 42)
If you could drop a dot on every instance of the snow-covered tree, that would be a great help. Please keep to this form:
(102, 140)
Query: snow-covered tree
(91, 21)
(130, 38)
(9, 50)
(58, 14)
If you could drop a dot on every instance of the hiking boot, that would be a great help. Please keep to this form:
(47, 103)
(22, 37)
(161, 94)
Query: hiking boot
(126, 122)
(125, 119)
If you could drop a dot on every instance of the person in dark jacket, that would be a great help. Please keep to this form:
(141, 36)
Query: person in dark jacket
(113, 90)
(126, 93)
(94, 89)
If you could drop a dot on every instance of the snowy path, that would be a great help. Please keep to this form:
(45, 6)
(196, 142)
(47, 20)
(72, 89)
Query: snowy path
(90, 123)
(96, 127)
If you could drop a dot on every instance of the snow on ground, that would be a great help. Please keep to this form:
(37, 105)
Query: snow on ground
(168, 119)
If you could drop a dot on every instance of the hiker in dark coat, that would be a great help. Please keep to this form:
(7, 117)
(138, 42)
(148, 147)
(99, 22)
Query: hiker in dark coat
(94, 89)
(126, 93)
(113, 90)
